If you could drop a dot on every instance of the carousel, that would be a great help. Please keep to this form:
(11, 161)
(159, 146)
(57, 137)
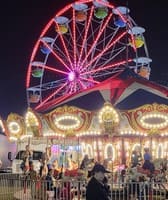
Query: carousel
(108, 135)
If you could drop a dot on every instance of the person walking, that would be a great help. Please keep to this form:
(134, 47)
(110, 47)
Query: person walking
(96, 188)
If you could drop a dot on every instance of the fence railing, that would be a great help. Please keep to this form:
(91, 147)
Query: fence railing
(15, 187)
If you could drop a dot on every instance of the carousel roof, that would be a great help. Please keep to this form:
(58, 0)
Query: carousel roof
(125, 91)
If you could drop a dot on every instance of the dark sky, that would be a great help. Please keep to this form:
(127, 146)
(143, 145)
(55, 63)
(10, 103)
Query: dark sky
(21, 25)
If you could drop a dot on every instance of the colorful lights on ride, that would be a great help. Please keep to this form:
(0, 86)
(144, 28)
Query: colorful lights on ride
(33, 124)
(133, 133)
(108, 117)
(19, 128)
(15, 126)
(109, 152)
(154, 121)
(150, 118)
(75, 49)
(2, 125)
(69, 120)
(89, 133)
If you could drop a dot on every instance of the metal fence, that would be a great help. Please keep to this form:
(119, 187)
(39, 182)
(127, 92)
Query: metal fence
(15, 187)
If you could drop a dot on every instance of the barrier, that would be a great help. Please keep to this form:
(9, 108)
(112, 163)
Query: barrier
(19, 187)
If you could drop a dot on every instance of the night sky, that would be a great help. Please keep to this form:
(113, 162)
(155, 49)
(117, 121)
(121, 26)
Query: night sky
(23, 21)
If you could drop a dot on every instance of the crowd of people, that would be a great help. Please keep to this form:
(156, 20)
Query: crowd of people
(43, 176)
(97, 182)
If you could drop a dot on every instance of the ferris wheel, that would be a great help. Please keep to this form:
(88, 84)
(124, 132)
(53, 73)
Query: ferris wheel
(85, 43)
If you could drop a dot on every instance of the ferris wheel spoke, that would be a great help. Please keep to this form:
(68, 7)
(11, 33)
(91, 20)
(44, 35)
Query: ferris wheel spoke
(110, 58)
(56, 56)
(107, 67)
(69, 44)
(86, 34)
(107, 47)
(84, 86)
(71, 88)
(115, 72)
(34, 52)
(90, 80)
(60, 53)
(110, 37)
(74, 37)
(50, 96)
(65, 9)
(97, 38)
(47, 86)
(64, 45)
(112, 49)
(95, 47)
(52, 69)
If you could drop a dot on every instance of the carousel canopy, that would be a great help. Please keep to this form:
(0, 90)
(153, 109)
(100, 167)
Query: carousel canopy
(126, 91)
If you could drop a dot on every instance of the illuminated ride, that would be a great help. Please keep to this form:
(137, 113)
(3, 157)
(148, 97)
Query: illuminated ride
(84, 44)
(83, 51)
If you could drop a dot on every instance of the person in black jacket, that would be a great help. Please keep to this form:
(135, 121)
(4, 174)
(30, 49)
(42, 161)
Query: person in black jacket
(96, 188)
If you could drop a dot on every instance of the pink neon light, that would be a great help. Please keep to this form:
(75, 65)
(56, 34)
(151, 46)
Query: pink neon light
(86, 33)
(71, 87)
(85, 1)
(97, 38)
(53, 69)
(90, 80)
(74, 37)
(107, 67)
(83, 86)
(49, 97)
(48, 46)
(65, 48)
(64, 10)
(38, 42)
(34, 52)
(106, 48)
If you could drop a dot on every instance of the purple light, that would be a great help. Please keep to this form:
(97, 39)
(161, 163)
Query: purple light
(71, 76)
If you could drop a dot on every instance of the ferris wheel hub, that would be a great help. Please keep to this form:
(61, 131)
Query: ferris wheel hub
(73, 75)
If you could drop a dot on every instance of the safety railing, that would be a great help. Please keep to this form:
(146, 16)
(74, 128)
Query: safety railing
(15, 187)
